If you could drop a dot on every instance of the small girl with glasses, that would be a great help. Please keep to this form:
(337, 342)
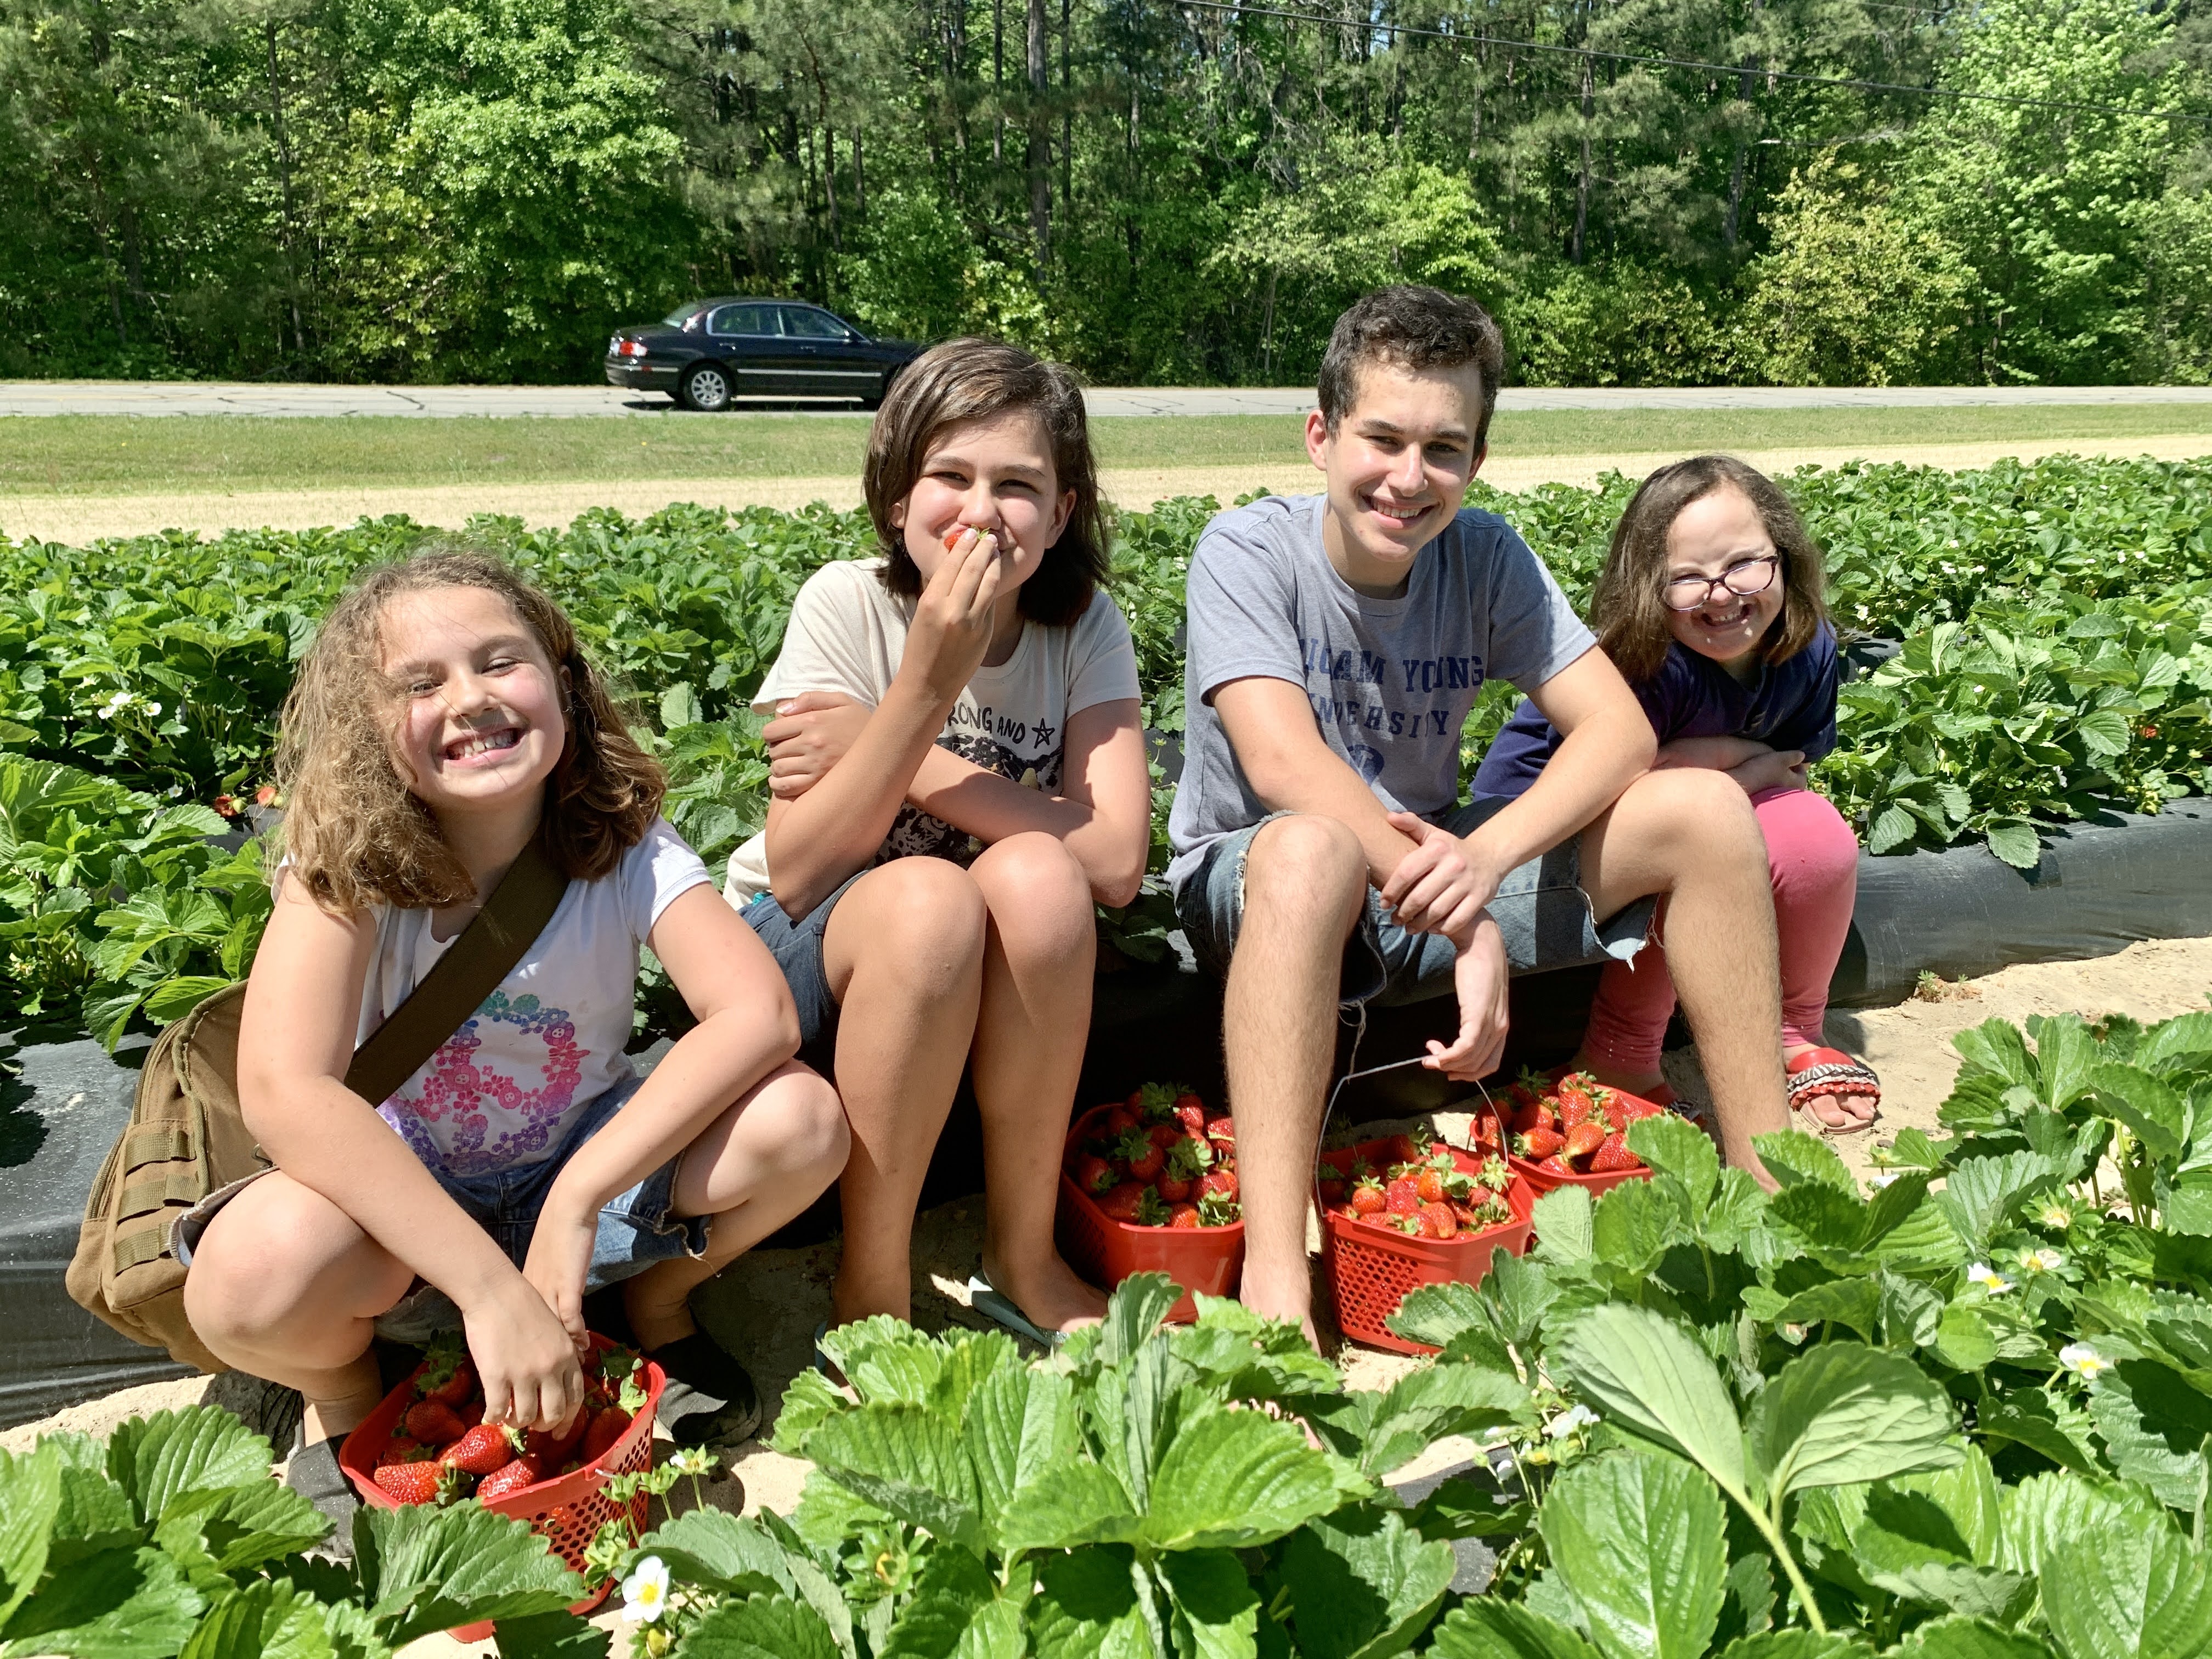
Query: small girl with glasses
(1710, 605)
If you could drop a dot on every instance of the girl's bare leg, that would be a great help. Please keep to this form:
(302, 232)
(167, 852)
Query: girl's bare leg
(758, 1164)
(1039, 954)
(285, 1286)
(903, 952)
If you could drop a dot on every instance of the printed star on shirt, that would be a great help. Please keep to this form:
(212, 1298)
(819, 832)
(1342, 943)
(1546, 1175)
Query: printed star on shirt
(1044, 733)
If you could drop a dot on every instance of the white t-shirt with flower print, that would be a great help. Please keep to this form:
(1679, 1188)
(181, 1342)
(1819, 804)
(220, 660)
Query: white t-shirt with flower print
(500, 1091)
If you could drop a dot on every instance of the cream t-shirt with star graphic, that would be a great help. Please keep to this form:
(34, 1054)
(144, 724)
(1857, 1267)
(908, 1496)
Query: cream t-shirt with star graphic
(848, 634)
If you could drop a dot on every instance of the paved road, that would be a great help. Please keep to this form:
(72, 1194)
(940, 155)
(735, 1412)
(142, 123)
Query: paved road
(216, 397)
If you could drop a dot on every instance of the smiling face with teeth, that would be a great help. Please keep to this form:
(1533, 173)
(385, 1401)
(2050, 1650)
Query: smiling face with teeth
(480, 726)
(1398, 464)
(1709, 537)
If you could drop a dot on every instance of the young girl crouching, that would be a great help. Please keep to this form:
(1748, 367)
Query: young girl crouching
(445, 717)
(958, 772)
(1711, 604)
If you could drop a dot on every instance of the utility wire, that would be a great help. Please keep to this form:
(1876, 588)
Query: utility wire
(1653, 61)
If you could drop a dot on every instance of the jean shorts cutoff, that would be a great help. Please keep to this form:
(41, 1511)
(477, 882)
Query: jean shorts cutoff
(635, 1227)
(1540, 908)
(797, 948)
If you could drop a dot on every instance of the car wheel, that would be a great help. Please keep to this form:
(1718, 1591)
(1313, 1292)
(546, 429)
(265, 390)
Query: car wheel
(705, 388)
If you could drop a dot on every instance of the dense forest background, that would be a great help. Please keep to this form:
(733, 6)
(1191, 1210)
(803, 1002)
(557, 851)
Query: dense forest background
(1155, 191)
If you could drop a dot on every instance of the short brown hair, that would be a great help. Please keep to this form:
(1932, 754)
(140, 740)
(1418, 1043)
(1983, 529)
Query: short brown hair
(356, 833)
(1628, 608)
(1412, 328)
(973, 379)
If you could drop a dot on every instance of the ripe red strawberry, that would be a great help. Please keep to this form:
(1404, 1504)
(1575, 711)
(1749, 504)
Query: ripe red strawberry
(1488, 1131)
(1429, 1183)
(1190, 1111)
(1215, 1211)
(1221, 1130)
(434, 1423)
(1187, 1161)
(1614, 1155)
(1182, 1215)
(1538, 1143)
(1412, 1147)
(508, 1479)
(1556, 1164)
(484, 1448)
(1402, 1197)
(447, 1376)
(404, 1450)
(1437, 1221)
(1118, 1122)
(549, 1448)
(1122, 1201)
(1531, 1116)
(1629, 1109)
(471, 1411)
(1093, 1174)
(424, 1482)
(1142, 1155)
(1585, 1137)
(1219, 1182)
(1367, 1197)
(608, 1424)
(1331, 1187)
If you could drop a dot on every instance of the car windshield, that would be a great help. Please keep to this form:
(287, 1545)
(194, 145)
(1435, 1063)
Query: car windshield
(685, 316)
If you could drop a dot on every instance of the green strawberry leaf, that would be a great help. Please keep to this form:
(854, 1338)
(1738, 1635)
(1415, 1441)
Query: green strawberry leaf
(158, 1459)
(1489, 1628)
(1844, 1412)
(1647, 1371)
(1086, 1605)
(760, 1627)
(423, 1569)
(1228, 1480)
(1641, 1540)
(118, 1604)
(1362, 1583)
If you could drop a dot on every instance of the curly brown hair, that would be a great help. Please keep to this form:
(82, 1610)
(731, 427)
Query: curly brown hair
(973, 379)
(355, 833)
(1627, 608)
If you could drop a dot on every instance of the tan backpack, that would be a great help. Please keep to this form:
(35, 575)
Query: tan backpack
(187, 1136)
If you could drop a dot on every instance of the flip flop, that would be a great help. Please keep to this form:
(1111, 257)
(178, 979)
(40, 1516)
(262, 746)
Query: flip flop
(710, 1399)
(993, 1303)
(1830, 1071)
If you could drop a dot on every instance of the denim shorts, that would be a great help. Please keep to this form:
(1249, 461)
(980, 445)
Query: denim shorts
(1546, 918)
(797, 948)
(636, 1228)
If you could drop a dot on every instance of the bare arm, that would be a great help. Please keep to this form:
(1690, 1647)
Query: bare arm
(1103, 813)
(1292, 769)
(295, 1041)
(1716, 753)
(1608, 745)
(818, 839)
(747, 1027)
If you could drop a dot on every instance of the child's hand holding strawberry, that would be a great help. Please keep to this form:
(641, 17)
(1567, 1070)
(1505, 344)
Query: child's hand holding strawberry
(524, 1357)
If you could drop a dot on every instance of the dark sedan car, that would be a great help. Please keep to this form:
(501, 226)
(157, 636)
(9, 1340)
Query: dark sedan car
(709, 353)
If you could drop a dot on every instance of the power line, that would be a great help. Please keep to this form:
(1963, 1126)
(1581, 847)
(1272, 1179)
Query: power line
(1653, 61)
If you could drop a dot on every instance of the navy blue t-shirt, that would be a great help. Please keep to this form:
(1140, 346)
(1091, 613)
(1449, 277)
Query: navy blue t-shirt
(1790, 705)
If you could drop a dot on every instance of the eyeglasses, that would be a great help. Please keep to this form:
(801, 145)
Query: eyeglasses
(1752, 576)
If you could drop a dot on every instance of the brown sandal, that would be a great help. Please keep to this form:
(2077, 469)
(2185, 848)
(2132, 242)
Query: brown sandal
(1829, 1072)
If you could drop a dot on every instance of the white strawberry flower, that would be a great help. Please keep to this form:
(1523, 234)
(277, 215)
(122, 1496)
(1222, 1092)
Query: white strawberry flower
(692, 1460)
(2043, 1259)
(645, 1592)
(1987, 1278)
(1575, 1417)
(2084, 1361)
(2056, 1215)
(1882, 1178)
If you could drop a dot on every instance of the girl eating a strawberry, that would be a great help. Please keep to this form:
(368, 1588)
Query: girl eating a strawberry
(444, 724)
(1710, 605)
(958, 773)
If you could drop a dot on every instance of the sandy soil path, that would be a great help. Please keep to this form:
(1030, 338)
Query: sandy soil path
(769, 1306)
(77, 518)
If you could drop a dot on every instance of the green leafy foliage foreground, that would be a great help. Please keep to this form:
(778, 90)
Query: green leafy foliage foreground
(2055, 620)
(1963, 1414)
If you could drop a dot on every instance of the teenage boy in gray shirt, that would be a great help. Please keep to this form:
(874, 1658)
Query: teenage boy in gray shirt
(1322, 860)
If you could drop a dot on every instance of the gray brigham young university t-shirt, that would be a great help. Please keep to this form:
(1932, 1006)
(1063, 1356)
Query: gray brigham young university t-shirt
(1391, 681)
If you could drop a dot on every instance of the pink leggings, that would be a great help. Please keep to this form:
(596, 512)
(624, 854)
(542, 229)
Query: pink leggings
(1814, 860)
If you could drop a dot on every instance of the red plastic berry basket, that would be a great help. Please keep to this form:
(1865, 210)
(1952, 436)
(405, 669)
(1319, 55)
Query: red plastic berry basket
(1545, 1181)
(567, 1510)
(1370, 1269)
(1205, 1260)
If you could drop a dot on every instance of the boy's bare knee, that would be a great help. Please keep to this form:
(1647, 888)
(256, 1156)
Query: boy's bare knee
(1305, 863)
(1695, 812)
